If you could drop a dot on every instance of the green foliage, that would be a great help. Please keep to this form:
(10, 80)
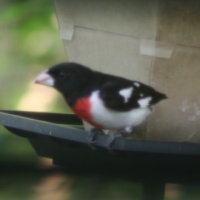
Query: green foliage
(15, 149)
(105, 188)
(30, 42)
(21, 186)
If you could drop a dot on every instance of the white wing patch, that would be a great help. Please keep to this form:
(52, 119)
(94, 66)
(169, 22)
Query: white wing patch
(126, 93)
(144, 102)
(136, 84)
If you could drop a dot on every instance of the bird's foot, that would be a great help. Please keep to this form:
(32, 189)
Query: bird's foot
(92, 135)
(111, 139)
(127, 131)
(112, 136)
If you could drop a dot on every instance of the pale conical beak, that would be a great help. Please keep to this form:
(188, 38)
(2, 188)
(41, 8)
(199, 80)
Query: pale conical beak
(45, 79)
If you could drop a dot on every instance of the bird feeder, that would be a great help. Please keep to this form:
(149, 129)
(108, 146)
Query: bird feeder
(156, 42)
(151, 163)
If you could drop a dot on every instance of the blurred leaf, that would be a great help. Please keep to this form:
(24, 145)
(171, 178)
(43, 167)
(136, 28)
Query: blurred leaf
(29, 41)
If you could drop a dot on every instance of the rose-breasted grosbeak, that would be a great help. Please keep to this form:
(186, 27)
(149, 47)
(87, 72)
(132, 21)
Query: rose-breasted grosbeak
(105, 101)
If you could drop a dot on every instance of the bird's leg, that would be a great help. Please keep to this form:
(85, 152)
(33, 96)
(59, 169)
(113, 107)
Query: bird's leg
(111, 139)
(126, 131)
(92, 135)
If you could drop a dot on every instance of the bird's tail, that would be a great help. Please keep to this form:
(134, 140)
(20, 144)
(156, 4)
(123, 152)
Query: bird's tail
(158, 96)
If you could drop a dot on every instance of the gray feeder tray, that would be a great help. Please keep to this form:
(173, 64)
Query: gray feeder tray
(149, 162)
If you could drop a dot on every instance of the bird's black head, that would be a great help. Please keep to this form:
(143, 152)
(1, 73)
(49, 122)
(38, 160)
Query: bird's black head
(66, 77)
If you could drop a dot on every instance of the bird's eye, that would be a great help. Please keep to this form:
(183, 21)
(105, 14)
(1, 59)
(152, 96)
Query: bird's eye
(62, 74)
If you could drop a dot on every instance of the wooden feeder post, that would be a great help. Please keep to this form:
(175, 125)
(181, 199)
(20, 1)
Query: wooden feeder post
(156, 42)
(116, 37)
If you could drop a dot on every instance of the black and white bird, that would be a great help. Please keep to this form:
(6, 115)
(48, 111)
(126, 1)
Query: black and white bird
(105, 101)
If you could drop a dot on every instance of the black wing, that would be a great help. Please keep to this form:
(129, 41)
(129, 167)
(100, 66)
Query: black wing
(125, 95)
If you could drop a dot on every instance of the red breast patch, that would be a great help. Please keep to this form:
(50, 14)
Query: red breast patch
(82, 109)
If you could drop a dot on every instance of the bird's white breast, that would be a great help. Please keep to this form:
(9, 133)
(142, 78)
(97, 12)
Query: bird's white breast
(112, 119)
